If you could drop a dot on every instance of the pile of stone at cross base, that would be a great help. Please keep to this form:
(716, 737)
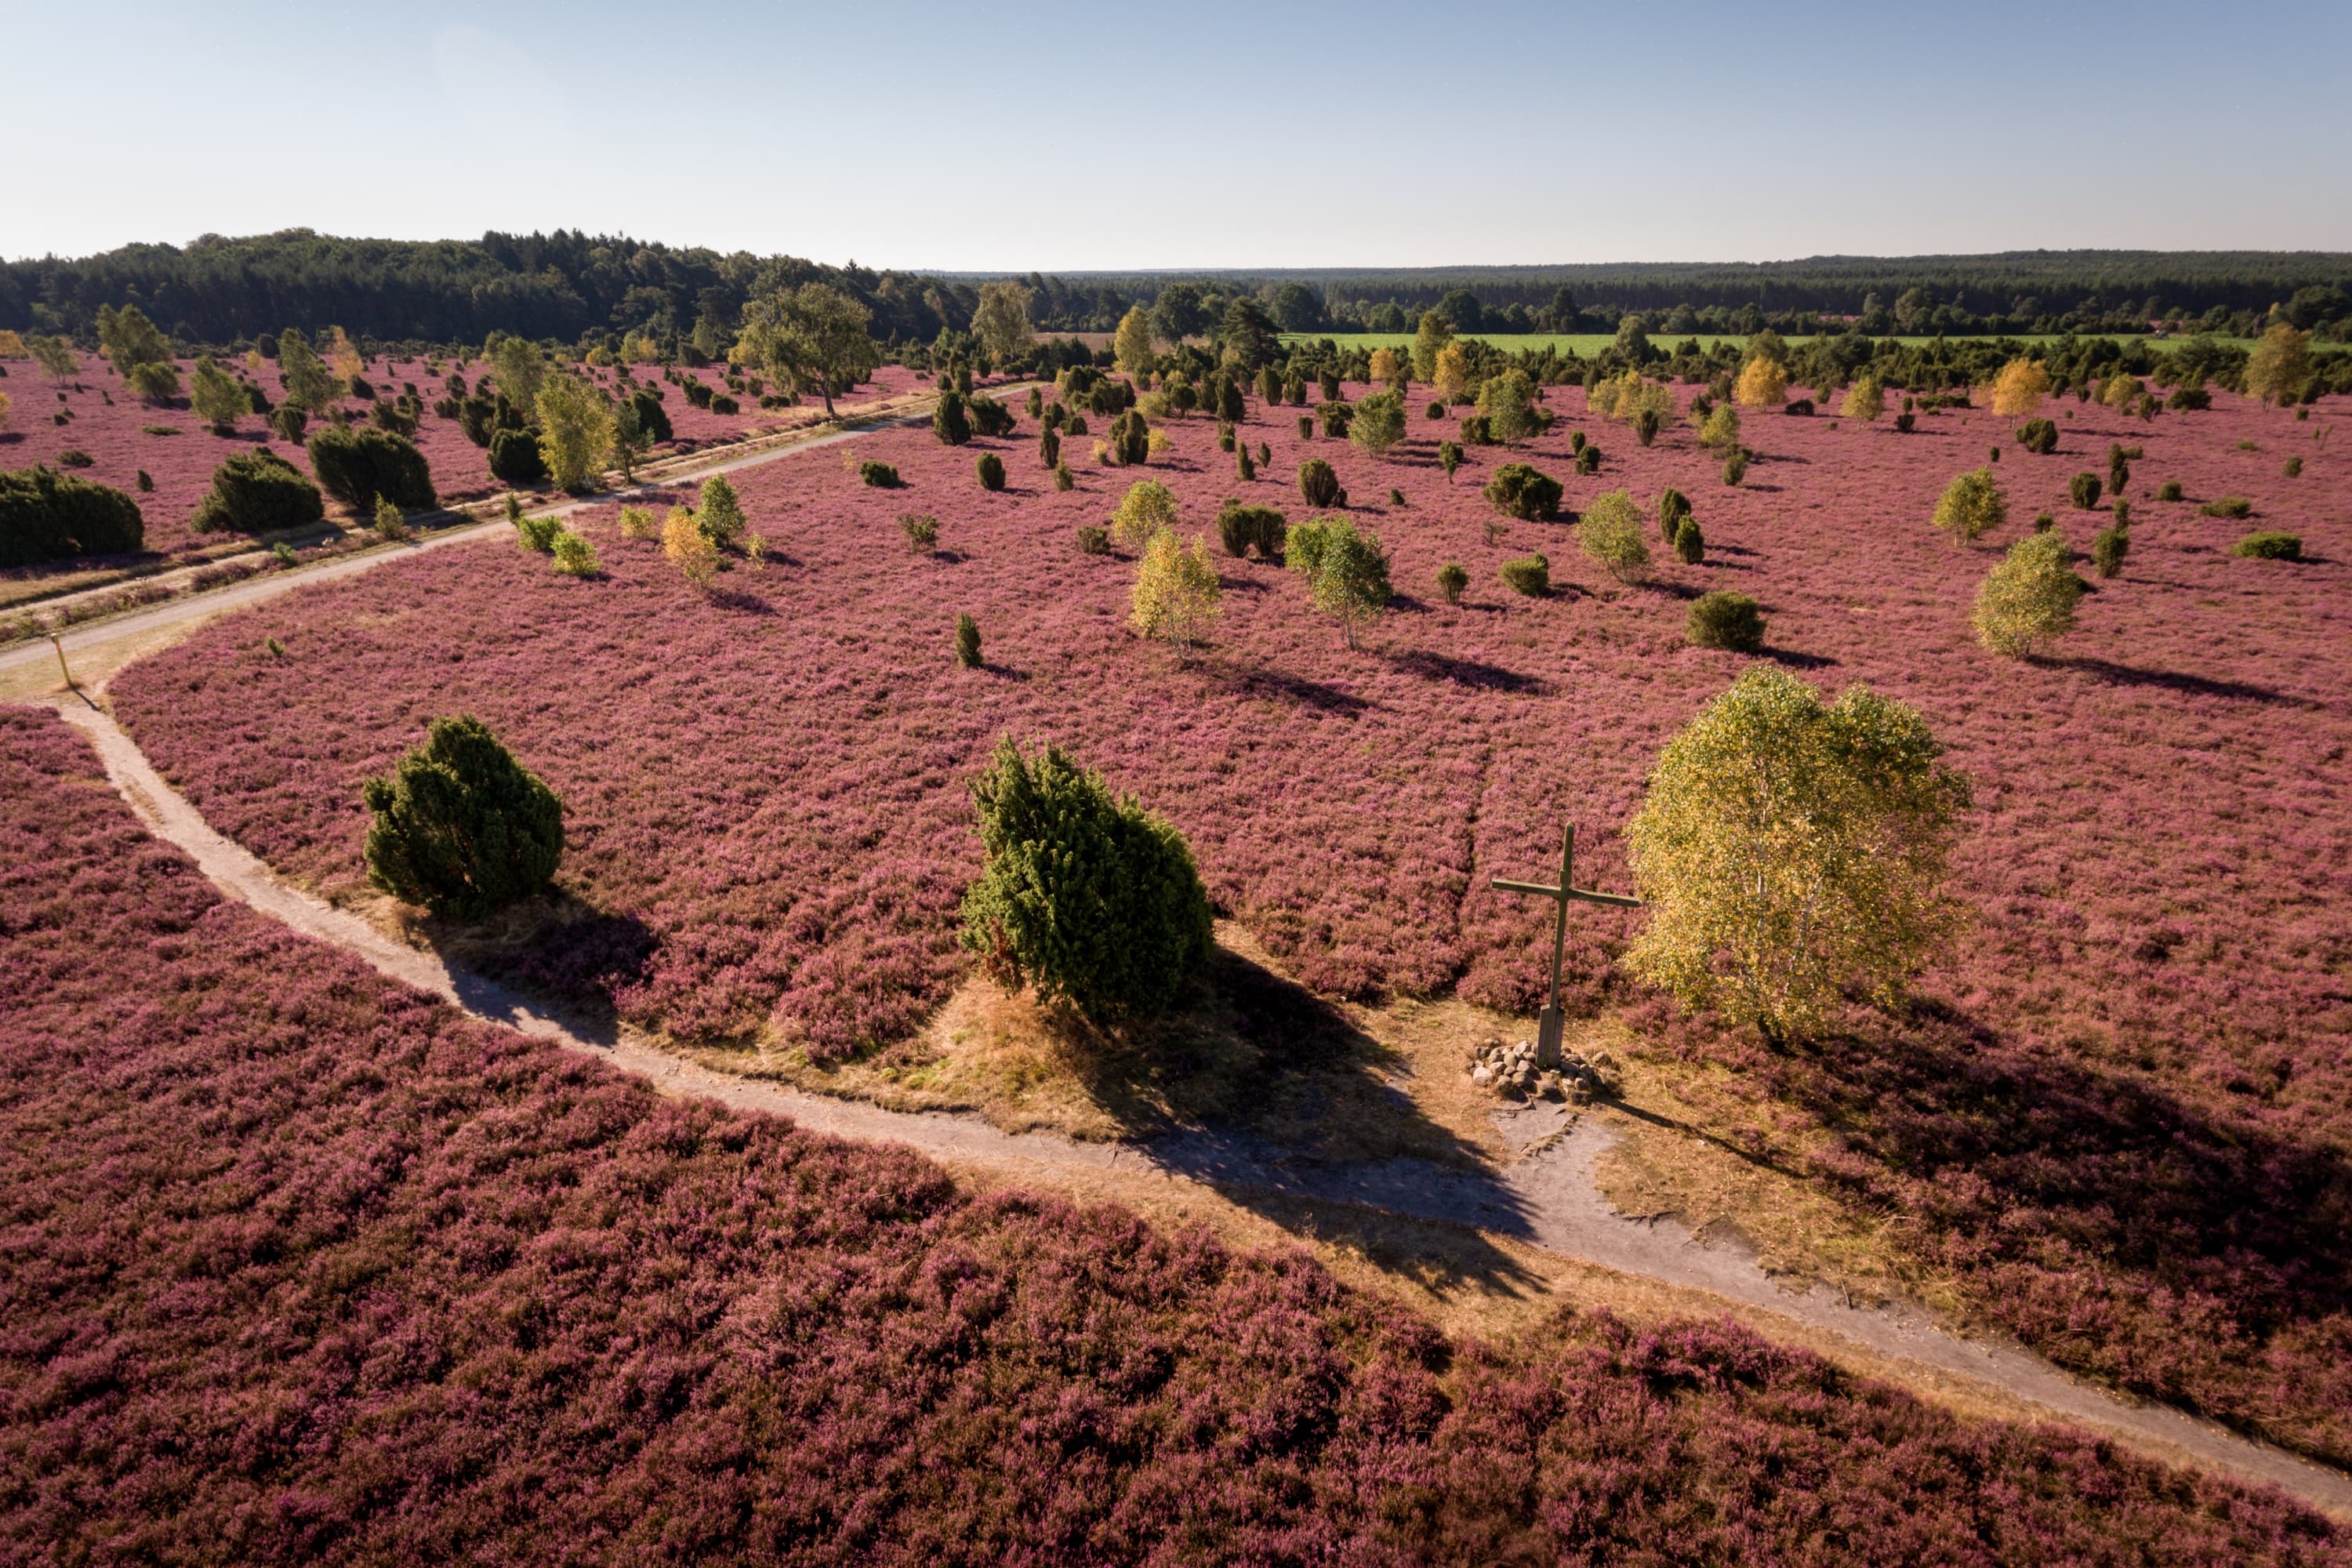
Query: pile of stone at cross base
(1518, 1072)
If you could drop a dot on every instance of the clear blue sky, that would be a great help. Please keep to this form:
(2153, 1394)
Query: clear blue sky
(976, 136)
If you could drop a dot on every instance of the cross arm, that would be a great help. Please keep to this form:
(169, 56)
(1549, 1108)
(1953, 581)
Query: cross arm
(1591, 896)
(1508, 886)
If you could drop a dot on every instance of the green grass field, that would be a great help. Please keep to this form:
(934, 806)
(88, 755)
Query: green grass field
(1587, 344)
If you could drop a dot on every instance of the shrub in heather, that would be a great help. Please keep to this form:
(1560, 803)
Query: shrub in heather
(1864, 400)
(2083, 489)
(1084, 894)
(719, 512)
(574, 556)
(2018, 388)
(390, 523)
(1130, 440)
(1451, 580)
(1245, 465)
(1646, 426)
(1673, 507)
(653, 419)
(2039, 436)
(1093, 541)
(638, 522)
(1735, 466)
(990, 417)
(721, 402)
(1346, 569)
(1611, 533)
(1529, 574)
(1240, 527)
(356, 464)
(687, 548)
(538, 535)
(2108, 548)
(515, 457)
(1379, 423)
(990, 468)
(2190, 397)
(1971, 506)
(1335, 418)
(1721, 430)
(1176, 594)
(2027, 602)
(460, 826)
(1148, 507)
(1724, 620)
(48, 516)
(1788, 848)
(2119, 468)
(2228, 506)
(1476, 431)
(2269, 546)
(1306, 426)
(145, 482)
(1064, 479)
(1226, 437)
(1435, 412)
(1690, 544)
(75, 458)
(1049, 449)
(879, 476)
(1905, 422)
(1524, 491)
(1449, 457)
(1318, 484)
(2169, 490)
(951, 421)
(1507, 404)
(1587, 457)
(2292, 468)
(258, 492)
(921, 528)
(967, 640)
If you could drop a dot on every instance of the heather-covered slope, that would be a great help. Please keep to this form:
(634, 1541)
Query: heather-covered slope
(304, 1266)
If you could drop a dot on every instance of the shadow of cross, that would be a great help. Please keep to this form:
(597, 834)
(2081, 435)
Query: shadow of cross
(1547, 1027)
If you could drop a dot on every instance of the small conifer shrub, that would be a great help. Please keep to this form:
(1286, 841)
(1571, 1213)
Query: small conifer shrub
(1724, 620)
(1690, 544)
(2228, 506)
(2272, 546)
(921, 528)
(2169, 490)
(1523, 491)
(1530, 574)
(967, 641)
(1451, 580)
(1093, 540)
(1318, 484)
(990, 468)
(2083, 489)
(2039, 436)
(460, 827)
(879, 476)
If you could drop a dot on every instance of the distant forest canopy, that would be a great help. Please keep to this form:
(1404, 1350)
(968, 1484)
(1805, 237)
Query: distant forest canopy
(575, 288)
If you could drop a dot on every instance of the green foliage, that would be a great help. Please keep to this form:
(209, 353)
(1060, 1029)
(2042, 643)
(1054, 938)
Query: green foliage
(1451, 580)
(1724, 620)
(1587, 457)
(1378, 422)
(574, 556)
(287, 421)
(538, 535)
(1346, 569)
(1093, 541)
(967, 641)
(515, 457)
(1673, 507)
(2119, 468)
(2271, 546)
(2083, 489)
(1788, 848)
(1529, 574)
(258, 492)
(876, 475)
(719, 512)
(2039, 436)
(1063, 478)
(1318, 484)
(1610, 532)
(2228, 506)
(1130, 440)
(1690, 544)
(2292, 468)
(2108, 548)
(1148, 507)
(1084, 894)
(460, 827)
(921, 528)
(2169, 490)
(2027, 602)
(991, 470)
(1971, 506)
(388, 521)
(951, 420)
(812, 339)
(1735, 466)
(355, 464)
(1335, 417)
(217, 397)
(1449, 457)
(1241, 527)
(989, 418)
(1524, 491)
(1508, 403)
(48, 516)
(1049, 448)
(1722, 427)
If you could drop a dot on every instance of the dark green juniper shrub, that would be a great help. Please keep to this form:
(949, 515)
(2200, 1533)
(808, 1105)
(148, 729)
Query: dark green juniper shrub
(47, 516)
(1690, 544)
(1530, 574)
(1049, 447)
(1306, 426)
(2039, 436)
(991, 469)
(460, 827)
(2119, 468)
(1576, 441)
(1131, 439)
(2108, 548)
(1451, 580)
(356, 465)
(951, 420)
(2083, 489)
(2169, 490)
(1735, 467)
(990, 417)
(2293, 469)
(1435, 411)
(1240, 527)
(1587, 457)
(1905, 421)
(1084, 894)
(1063, 478)
(1319, 484)
(1524, 491)
(879, 476)
(258, 492)
(1449, 457)
(967, 641)
(2228, 506)
(1225, 437)
(1335, 417)
(1724, 620)
(1093, 540)
(921, 528)
(1243, 463)
(146, 481)
(1477, 430)
(515, 456)
(1647, 423)
(1673, 507)
(1396, 496)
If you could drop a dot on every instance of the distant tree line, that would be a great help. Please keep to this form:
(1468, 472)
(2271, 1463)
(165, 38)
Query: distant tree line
(689, 303)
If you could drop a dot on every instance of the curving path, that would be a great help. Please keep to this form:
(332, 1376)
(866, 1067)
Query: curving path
(1546, 1197)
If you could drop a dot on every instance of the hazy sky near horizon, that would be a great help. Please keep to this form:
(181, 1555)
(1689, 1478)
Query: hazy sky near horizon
(1064, 137)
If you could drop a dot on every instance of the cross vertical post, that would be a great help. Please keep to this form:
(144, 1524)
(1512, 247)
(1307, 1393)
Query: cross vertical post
(1548, 1026)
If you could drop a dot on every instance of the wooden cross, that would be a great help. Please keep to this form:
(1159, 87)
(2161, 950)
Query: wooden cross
(1547, 1028)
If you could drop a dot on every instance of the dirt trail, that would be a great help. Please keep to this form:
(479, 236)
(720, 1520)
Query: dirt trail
(1544, 1197)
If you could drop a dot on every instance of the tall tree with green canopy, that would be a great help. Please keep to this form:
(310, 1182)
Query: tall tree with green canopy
(1249, 334)
(576, 428)
(1789, 847)
(1131, 344)
(2279, 365)
(519, 368)
(217, 397)
(130, 340)
(814, 338)
(1178, 313)
(309, 384)
(1001, 321)
(1346, 569)
(1428, 343)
